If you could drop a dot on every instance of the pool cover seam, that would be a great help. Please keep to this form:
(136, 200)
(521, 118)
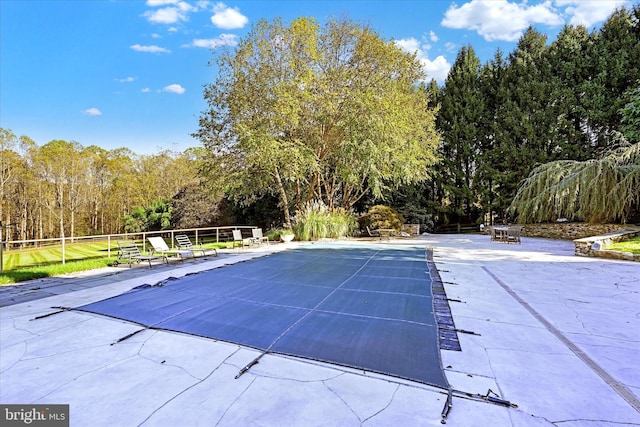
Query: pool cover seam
(604, 375)
(319, 310)
(268, 349)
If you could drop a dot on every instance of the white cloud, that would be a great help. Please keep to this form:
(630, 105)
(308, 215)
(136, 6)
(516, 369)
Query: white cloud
(150, 49)
(228, 18)
(588, 13)
(433, 37)
(221, 40)
(437, 69)
(92, 112)
(174, 88)
(169, 15)
(145, 90)
(500, 19)
(179, 11)
(126, 80)
(409, 45)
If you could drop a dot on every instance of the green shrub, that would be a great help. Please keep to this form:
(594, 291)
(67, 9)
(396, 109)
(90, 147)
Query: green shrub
(317, 221)
(380, 216)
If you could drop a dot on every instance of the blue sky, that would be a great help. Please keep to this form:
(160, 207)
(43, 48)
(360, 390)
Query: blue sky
(130, 73)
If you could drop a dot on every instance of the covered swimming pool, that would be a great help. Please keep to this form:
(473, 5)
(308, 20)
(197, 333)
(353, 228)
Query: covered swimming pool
(364, 306)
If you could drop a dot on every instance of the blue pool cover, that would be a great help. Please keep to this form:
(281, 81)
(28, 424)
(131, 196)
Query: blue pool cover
(368, 307)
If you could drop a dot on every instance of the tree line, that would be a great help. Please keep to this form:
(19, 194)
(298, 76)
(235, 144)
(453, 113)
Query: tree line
(335, 114)
(574, 99)
(65, 189)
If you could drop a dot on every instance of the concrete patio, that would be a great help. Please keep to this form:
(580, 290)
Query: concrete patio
(555, 334)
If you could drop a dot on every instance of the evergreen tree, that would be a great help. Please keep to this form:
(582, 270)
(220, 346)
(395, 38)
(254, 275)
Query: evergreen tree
(567, 58)
(631, 114)
(493, 92)
(460, 114)
(615, 56)
(522, 135)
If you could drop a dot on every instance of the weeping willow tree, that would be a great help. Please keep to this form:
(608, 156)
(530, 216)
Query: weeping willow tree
(597, 190)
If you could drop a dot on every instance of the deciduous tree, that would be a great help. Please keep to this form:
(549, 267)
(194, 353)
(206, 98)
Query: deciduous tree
(598, 190)
(317, 113)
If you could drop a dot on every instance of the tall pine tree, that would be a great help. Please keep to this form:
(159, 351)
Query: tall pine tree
(567, 58)
(523, 137)
(494, 94)
(461, 109)
(615, 59)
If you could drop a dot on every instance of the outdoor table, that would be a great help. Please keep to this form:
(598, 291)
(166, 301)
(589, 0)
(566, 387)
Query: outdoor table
(500, 233)
(506, 234)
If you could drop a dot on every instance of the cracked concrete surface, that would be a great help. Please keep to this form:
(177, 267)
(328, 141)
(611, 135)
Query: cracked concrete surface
(161, 378)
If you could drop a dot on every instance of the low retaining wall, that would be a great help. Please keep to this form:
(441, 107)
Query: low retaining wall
(593, 245)
(589, 239)
(570, 230)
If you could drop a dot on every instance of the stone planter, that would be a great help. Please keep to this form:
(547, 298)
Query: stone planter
(286, 238)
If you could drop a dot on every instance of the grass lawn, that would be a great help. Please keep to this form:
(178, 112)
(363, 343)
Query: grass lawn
(17, 259)
(632, 246)
(9, 277)
(35, 263)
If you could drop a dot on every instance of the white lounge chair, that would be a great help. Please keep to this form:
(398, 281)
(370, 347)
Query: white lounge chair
(238, 240)
(160, 246)
(184, 243)
(129, 253)
(258, 238)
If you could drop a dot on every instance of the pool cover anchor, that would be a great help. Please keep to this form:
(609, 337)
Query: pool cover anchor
(490, 397)
(249, 366)
(448, 404)
(60, 310)
(126, 337)
(462, 331)
(497, 399)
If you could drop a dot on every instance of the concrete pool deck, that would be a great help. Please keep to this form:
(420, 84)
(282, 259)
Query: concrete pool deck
(557, 335)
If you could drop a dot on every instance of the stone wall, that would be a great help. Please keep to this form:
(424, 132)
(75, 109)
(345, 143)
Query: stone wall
(589, 239)
(570, 230)
(595, 245)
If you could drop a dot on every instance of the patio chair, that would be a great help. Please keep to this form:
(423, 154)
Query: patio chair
(238, 240)
(158, 245)
(184, 243)
(372, 233)
(129, 253)
(258, 238)
(492, 232)
(513, 234)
